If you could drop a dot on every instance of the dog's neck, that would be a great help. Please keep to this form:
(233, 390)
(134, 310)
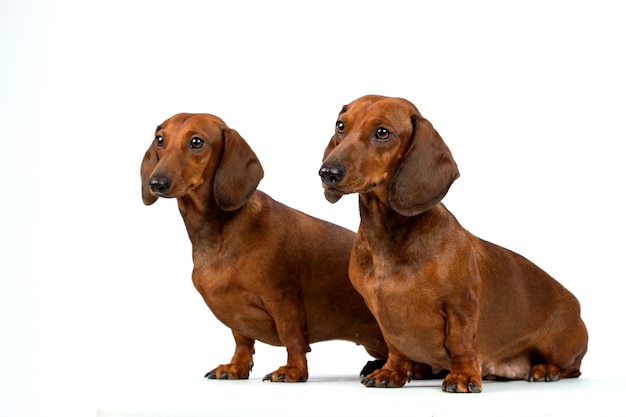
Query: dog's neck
(203, 219)
(209, 227)
(388, 230)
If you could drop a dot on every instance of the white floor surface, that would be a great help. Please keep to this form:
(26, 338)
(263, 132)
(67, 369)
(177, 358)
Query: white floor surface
(345, 396)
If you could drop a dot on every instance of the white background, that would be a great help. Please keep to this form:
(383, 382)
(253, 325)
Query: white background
(95, 288)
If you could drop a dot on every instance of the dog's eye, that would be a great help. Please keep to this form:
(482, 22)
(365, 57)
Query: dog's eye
(382, 133)
(196, 142)
(339, 126)
(159, 141)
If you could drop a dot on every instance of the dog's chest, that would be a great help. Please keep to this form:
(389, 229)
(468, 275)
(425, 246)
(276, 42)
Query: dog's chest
(221, 284)
(413, 324)
(237, 307)
(404, 303)
(228, 296)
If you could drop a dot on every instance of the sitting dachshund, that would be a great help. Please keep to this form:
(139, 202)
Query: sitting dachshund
(441, 295)
(268, 272)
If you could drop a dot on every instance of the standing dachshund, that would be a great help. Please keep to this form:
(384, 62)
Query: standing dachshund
(267, 271)
(441, 295)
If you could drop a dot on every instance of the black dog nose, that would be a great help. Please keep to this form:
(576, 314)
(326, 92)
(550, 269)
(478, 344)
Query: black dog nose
(160, 185)
(332, 174)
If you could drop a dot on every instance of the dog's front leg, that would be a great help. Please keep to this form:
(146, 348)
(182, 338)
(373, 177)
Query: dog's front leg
(460, 342)
(290, 319)
(296, 369)
(395, 372)
(241, 363)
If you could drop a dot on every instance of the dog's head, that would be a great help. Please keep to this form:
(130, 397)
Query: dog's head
(383, 145)
(190, 151)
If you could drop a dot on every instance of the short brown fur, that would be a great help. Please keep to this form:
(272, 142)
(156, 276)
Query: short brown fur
(268, 272)
(441, 295)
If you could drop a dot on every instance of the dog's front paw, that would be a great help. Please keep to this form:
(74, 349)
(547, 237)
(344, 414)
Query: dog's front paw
(547, 373)
(288, 374)
(458, 382)
(230, 371)
(385, 378)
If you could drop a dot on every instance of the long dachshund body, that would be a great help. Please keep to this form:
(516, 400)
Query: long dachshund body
(268, 272)
(442, 296)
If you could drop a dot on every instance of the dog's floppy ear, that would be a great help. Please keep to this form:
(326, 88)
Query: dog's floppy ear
(426, 172)
(150, 160)
(238, 173)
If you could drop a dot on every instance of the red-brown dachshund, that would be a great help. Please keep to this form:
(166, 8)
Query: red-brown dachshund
(268, 272)
(441, 295)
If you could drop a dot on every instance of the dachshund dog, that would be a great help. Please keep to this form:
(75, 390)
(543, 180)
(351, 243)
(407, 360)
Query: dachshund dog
(441, 296)
(267, 271)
